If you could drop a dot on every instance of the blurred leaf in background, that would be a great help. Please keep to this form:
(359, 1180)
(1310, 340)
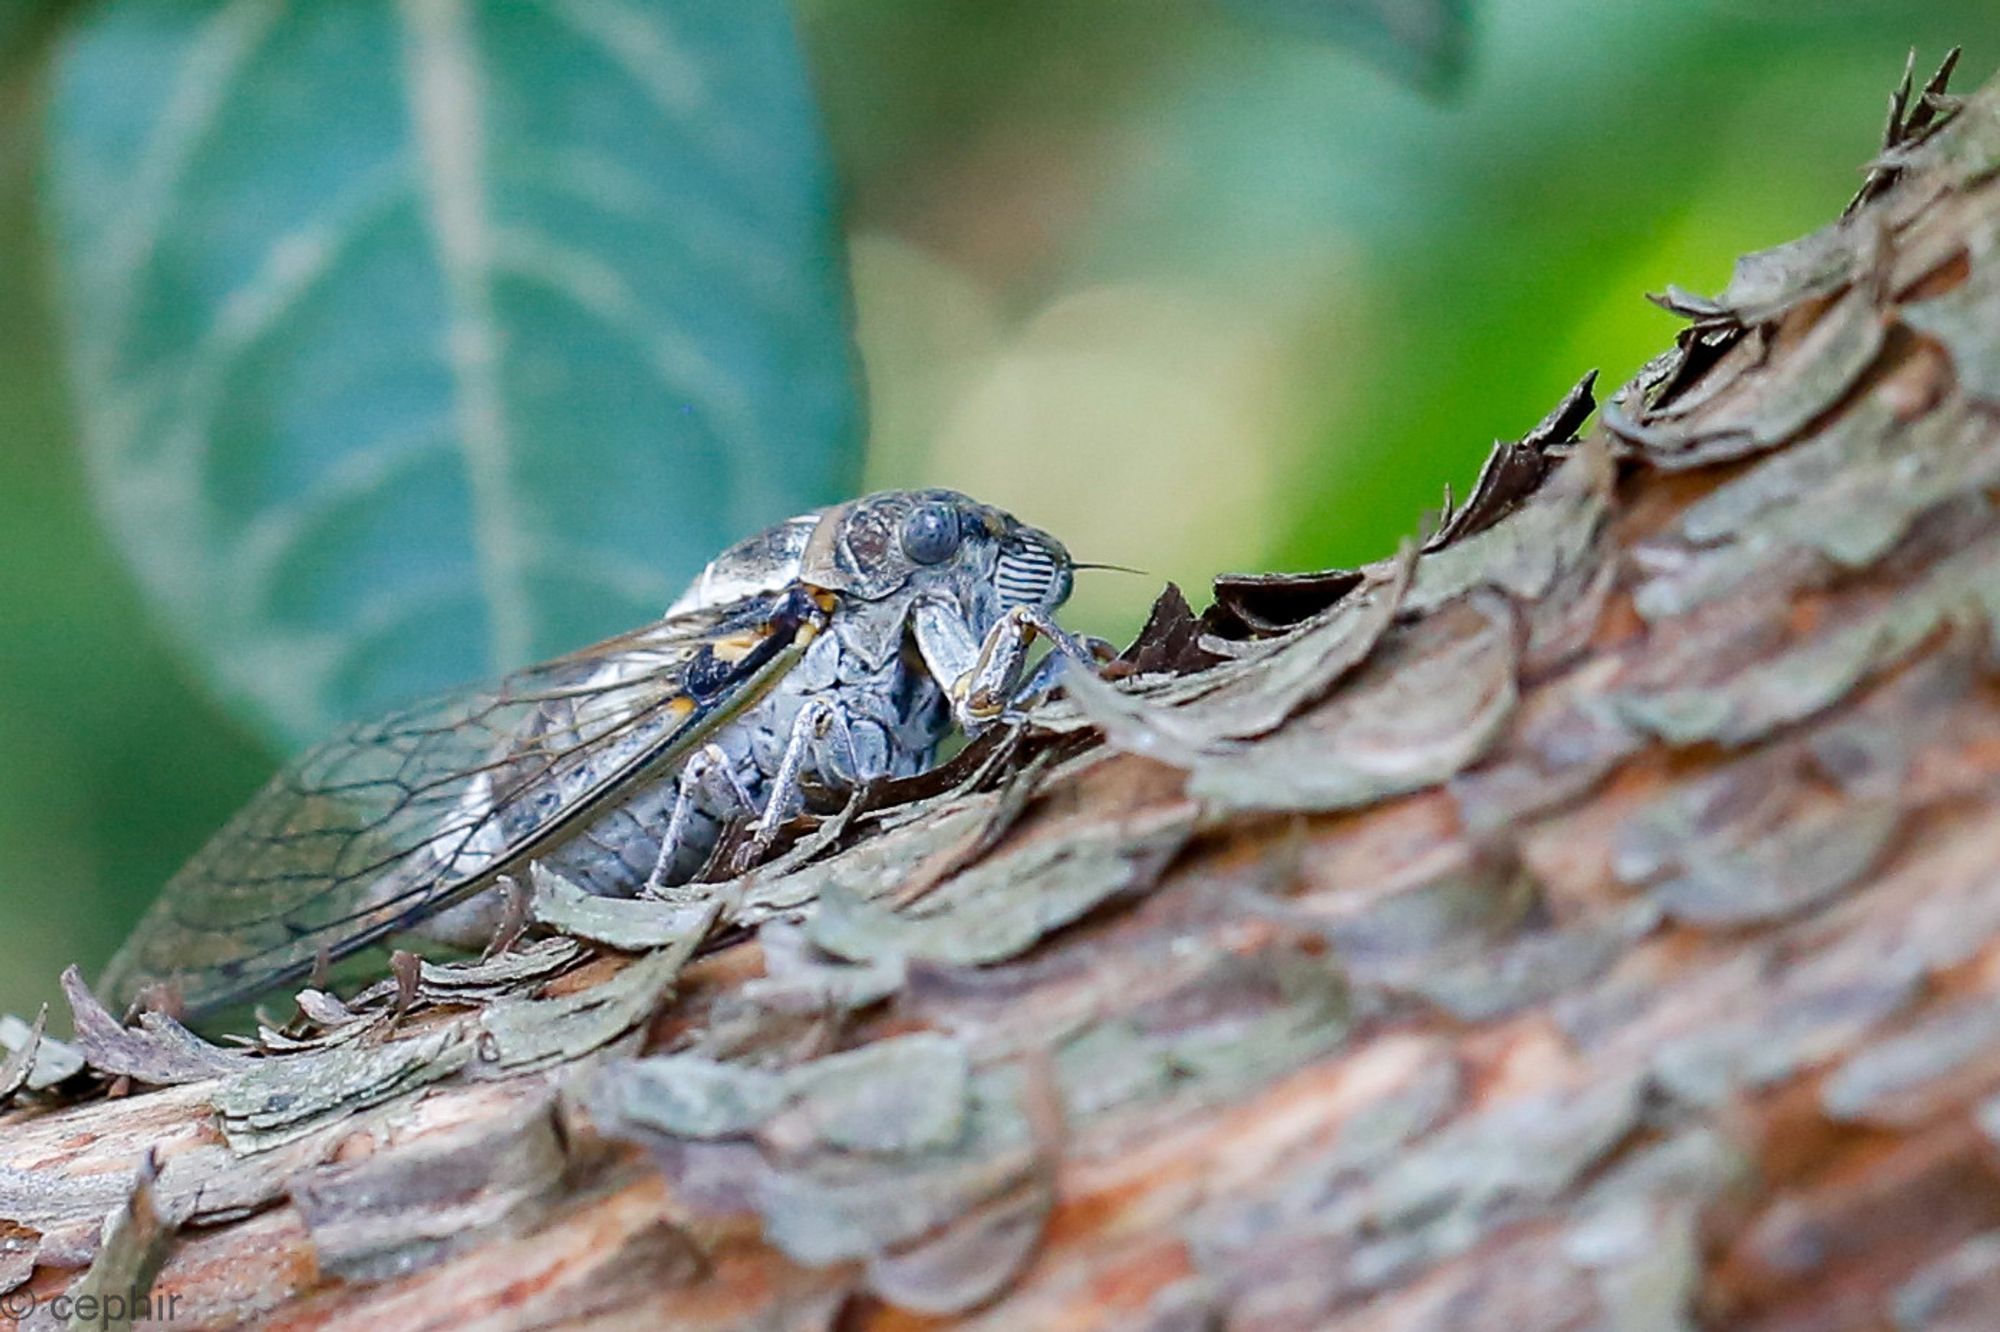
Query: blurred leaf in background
(1195, 290)
(22, 26)
(1200, 295)
(1423, 41)
(111, 764)
(417, 341)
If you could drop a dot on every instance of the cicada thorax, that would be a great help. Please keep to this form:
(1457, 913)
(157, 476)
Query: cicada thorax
(759, 566)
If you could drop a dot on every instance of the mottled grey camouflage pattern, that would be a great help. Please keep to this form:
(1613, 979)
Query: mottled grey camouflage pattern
(833, 649)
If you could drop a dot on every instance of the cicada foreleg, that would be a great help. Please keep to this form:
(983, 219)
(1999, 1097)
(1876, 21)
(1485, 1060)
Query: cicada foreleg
(1089, 651)
(984, 678)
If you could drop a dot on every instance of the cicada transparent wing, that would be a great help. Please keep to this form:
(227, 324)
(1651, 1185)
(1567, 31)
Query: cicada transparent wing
(394, 820)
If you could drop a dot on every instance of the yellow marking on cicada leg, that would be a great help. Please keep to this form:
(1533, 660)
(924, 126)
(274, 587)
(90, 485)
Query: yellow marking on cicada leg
(983, 706)
(808, 632)
(735, 647)
(680, 705)
(825, 600)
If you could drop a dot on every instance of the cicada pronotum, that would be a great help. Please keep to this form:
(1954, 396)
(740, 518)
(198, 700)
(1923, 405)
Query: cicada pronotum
(833, 649)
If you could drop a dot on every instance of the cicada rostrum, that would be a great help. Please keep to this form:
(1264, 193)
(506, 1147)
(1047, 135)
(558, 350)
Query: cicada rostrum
(834, 649)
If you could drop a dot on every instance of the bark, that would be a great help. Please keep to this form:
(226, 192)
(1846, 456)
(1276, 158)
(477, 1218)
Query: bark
(1589, 919)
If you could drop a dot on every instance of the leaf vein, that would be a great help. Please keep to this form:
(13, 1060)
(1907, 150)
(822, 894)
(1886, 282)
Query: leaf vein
(295, 266)
(600, 291)
(221, 48)
(359, 473)
(443, 71)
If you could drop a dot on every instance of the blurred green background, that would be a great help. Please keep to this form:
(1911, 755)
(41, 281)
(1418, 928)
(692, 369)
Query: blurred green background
(1195, 294)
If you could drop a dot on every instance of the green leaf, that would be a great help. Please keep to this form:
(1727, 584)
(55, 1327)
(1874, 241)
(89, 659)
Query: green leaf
(1422, 41)
(24, 29)
(414, 341)
(17, 17)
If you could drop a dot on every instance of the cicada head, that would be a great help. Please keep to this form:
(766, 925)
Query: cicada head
(896, 544)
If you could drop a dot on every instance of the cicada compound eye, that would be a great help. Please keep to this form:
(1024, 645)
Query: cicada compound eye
(931, 534)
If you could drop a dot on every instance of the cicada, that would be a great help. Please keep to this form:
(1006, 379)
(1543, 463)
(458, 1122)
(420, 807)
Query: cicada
(835, 649)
